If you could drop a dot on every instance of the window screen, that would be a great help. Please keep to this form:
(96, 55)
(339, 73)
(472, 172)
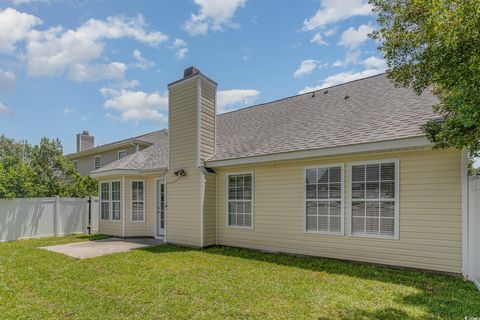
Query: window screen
(105, 200)
(116, 196)
(240, 200)
(374, 197)
(323, 190)
(137, 201)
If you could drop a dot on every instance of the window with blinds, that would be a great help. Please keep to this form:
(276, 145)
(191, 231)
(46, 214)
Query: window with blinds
(116, 203)
(374, 204)
(324, 199)
(138, 212)
(105, 200)
(240, 191)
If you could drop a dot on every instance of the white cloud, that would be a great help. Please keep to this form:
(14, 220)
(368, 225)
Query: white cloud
(330, 32)
(181, 53)
(317, 38)
(352, 38)
(228, 100)
(20, 2)
(332, 11)
(351, 57)
(141, 63)
(306, 67)
(4, 110)
(136, 105)
(68, 111)
(213, 15)
(14, 27)
(7, 79)
(375, 63)
(75, 52)
(180, 46)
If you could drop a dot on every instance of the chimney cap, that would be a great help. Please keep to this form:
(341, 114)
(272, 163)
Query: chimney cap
(190, 71)
(85, 132)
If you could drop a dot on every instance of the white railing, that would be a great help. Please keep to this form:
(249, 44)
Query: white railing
(42, 217)
(474, 229)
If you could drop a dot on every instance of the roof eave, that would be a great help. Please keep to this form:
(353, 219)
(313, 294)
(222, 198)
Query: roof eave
(384, 145)
(109, 147)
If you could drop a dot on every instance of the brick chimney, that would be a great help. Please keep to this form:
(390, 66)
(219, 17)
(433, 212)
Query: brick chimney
(84, 141)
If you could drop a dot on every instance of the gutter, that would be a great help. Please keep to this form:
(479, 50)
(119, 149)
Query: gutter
(107, 147)
(126, 172)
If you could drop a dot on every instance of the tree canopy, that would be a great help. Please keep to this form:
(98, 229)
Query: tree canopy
(39, 171)
(435, 45)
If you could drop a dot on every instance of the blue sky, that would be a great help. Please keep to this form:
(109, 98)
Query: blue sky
(104, 66)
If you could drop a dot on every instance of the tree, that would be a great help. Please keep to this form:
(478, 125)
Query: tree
(436, 45)
(39, 171)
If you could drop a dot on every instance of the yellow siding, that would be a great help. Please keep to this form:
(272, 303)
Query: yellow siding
(183, 194)
(210, 210)
(430, 212)
(207, 120)
(86, 164)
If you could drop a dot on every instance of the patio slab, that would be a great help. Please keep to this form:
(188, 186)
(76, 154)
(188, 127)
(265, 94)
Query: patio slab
(97, 248)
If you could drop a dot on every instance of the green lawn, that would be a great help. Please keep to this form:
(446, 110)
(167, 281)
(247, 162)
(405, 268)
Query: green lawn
(217, 283)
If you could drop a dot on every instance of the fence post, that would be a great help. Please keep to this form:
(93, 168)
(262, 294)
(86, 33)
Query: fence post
(56, 216)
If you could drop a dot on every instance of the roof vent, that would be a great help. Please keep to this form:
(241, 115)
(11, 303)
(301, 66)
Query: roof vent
(190, 72)
(325, 92)
(347, 96)
(313, 94)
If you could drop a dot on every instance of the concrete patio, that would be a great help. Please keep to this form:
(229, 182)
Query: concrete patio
(97, 248)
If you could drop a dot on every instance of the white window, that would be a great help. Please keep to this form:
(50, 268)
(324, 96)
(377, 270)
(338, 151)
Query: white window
(240, 194)
(122, 154)
(116, 200)
(110, 200)
(324, 199)
(105, 200)
(97, 162)
(374, 204)
(138, 206)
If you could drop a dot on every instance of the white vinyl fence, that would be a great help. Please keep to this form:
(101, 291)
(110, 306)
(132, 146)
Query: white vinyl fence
(474, 229)
(43, 217)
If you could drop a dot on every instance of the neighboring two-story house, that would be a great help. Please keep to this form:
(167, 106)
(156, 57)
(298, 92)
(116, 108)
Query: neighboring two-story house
(89, 158)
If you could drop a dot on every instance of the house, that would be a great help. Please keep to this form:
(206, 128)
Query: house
(89, 158)
(342, 172)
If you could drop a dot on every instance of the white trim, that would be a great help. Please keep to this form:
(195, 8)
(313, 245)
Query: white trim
(124, 232)
(126, 172)
(202, 207)
(94, 161)
(388, 145)
(252, 200)
(131, 201)
(342, 199)
(118, 154)
(465, 231)
(111, 200)
(199, 105)
(158, 182)
(396, 235)
(166, 208)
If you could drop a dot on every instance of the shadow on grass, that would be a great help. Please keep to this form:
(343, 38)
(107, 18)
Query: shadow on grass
(440, 295)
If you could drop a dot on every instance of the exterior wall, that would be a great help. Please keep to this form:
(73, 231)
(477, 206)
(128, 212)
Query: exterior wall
(183, 193)
(86, 164)
(210, 210)
(133, 229)
(207, 120)
(430, 231)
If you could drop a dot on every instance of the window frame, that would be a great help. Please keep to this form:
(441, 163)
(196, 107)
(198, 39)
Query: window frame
(227, 200)
(94, 164)
(396, 224)
(131, 201)
(110, 200)
(101, 201)
(119, 200)
(342, 198)
(121, 151)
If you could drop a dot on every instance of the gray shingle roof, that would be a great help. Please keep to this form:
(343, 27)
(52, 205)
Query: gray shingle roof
(152, 158)
(374, 111)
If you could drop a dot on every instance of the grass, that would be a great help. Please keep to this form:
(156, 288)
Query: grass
(169, 282)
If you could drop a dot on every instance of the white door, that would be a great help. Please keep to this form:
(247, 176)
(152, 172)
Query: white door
(160, 212)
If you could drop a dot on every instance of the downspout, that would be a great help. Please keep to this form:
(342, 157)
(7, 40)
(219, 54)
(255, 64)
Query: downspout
(137, 147)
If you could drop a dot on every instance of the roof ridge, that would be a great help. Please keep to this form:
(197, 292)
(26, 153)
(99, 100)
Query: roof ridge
(301, 94)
